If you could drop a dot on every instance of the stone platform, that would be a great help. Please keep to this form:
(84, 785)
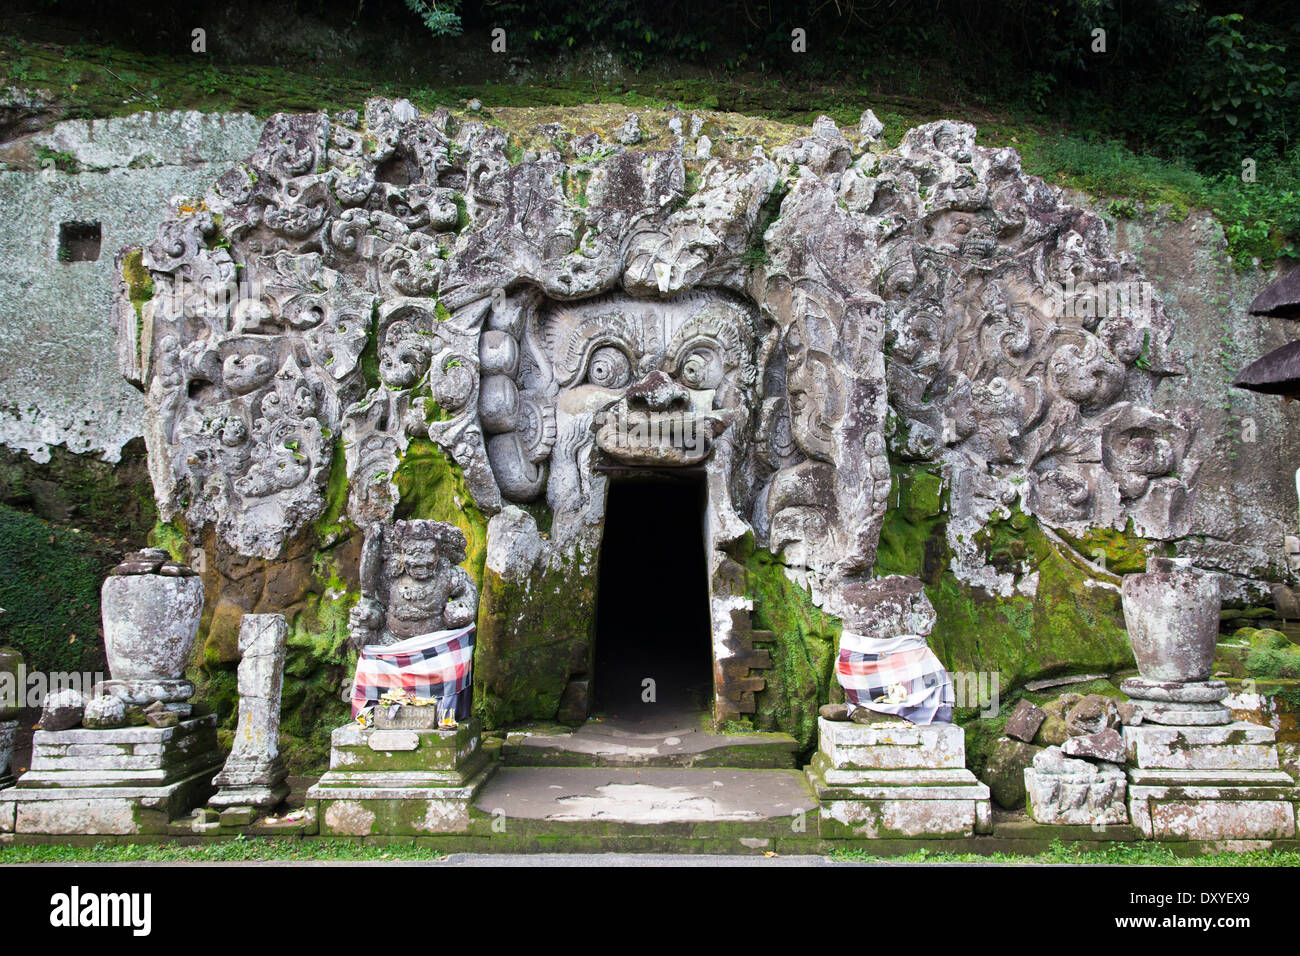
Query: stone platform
(895, 779)
(673, 738)
(404, 780)
(130, 780)
(770, 801)
(1219, 782)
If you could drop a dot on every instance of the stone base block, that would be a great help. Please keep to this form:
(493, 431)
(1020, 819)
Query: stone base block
(880, 804)
(101, 810)
(1184, 715)
(248, 782)
(1213, 804)
(123, 756)
(1077, 799)
(1235, 746)
(458, 752)
(144, 692)
(404, 781)
(1192, 692)
(399, 803)
(891, 746)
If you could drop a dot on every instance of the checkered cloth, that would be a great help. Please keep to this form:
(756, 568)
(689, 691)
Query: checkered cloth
(898, 675)
(435, 665)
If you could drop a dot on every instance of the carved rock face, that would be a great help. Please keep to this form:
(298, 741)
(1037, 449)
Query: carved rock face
(660, 381)
(784, 327)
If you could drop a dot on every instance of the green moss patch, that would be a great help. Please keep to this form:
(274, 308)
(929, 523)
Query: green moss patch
(803, 651)
(1074, 622)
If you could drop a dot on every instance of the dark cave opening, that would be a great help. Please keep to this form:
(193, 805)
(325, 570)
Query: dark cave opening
(652, 616)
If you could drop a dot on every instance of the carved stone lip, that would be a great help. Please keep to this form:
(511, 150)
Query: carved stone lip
(675, 438)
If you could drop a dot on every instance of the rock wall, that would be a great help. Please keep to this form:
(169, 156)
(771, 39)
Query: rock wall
(59, 380)
(1028, 465)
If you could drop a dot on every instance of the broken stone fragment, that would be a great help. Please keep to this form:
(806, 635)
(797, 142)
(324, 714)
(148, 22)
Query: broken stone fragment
(145, 561)
(1130, 713)
(1024, 721)
(1051, 733)
(1005, 771)
(63, 710)
(1091, 715)
(11, 664)
(629, 134)
(1054, 760)
(1106, 746)
(157, 715)
(104, 713)
(834, 711)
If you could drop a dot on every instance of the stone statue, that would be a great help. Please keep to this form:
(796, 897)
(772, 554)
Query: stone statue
(885, 665)
(411, 583)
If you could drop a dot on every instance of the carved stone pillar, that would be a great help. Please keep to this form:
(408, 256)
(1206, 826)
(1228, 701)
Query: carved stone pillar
(254, 774)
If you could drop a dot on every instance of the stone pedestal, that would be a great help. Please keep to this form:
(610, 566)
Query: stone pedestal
(254, 774)
(894, 779)
(405, 778)
(128, 780)
(8, 731)
(1195, 775)
(1220, 782)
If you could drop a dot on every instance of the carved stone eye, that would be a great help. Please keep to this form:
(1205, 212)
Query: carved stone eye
(702, 369)
(609, 368)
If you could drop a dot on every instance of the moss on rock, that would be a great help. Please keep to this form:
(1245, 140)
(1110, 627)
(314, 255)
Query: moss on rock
(1074, 621)
(430, 485)
(806, 641)
(532, 639)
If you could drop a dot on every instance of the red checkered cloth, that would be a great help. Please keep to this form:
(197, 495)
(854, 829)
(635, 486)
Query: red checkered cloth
(435, 665)
(899, 675)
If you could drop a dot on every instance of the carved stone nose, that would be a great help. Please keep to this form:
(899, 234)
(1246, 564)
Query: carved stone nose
(658, 393)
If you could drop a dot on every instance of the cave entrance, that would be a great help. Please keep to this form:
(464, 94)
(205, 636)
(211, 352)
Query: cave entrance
(652, 612)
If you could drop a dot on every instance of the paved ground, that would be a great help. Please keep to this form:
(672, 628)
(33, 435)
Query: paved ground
(649, 795)
(669, 735)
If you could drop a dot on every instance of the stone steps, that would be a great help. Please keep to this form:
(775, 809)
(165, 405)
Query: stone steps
(595, 745)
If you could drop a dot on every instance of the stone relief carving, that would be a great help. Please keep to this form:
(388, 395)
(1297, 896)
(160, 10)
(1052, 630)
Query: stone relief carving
(931, 301)
(411, 583)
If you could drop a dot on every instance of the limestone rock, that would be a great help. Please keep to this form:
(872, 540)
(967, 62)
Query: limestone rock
(1005, 771)
(1024, 721)
(629, 134)
(834, 711)
(104, 713)
(1091, 714)
(1105, 745)
(870, 128)
(1052, 732)
(63, 710)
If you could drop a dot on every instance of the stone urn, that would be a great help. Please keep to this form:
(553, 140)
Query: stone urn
(151, 608)
(1172, 615)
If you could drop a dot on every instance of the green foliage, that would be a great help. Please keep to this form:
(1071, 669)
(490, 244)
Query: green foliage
(49, 588)
(441, 18)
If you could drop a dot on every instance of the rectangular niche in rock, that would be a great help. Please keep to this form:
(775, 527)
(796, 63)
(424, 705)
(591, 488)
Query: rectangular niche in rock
(79, 241)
